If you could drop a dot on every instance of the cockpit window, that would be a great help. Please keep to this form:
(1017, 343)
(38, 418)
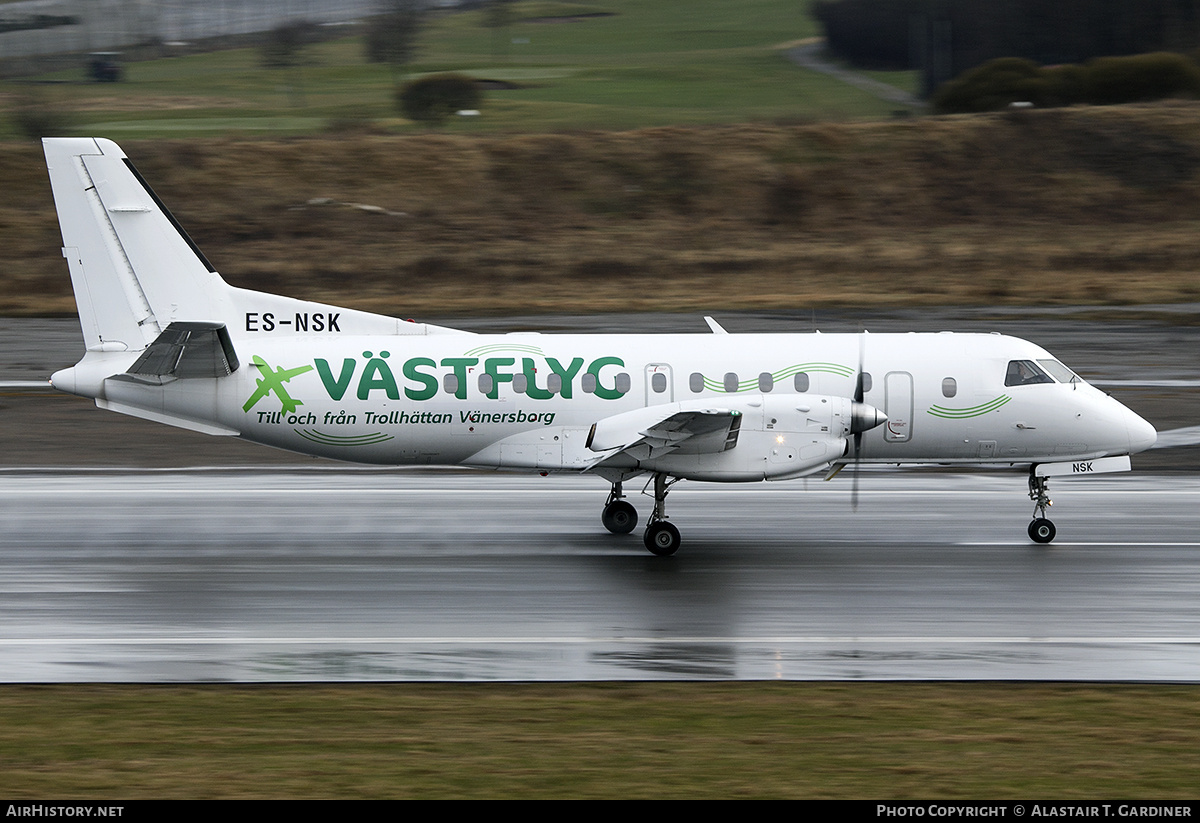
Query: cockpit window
(1025, 373)
(1058, 371)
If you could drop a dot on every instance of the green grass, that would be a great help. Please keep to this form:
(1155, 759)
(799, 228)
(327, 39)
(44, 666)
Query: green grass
(646, 63)
(661, 740)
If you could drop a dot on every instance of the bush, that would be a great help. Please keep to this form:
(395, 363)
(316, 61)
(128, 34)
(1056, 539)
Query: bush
(995, 85)
(437, 96)
(1103, 81)
(963, 34)
(1141, 77)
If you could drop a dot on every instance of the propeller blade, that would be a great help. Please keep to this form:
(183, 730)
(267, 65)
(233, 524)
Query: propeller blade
(858, 377)
(858, 399)
(862, 417)
(854, 476)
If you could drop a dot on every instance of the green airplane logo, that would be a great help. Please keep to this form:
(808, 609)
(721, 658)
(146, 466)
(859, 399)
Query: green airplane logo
(272, 381)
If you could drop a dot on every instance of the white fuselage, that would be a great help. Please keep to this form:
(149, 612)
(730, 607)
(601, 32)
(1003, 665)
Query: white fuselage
(529, 401)
(168, 339)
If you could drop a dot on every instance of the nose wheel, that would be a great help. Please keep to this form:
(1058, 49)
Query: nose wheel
(1041, 530)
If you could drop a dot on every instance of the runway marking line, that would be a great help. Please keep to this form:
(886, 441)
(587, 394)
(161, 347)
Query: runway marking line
(542, 641)
(1115, 543)
(194, 491)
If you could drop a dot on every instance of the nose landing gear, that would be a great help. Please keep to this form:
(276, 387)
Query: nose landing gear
(1041, 530)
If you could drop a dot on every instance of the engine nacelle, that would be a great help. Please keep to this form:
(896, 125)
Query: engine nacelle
(781, 436)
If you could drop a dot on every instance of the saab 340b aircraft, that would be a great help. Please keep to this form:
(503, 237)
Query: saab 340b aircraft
(168, 340)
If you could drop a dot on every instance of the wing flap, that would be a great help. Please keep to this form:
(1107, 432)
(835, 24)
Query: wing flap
(650, 433)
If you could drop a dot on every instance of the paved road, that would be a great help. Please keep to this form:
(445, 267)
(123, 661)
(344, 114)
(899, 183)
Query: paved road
(810, 55)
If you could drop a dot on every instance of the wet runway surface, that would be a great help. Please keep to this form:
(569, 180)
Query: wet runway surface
(123, 561)
(360, 575)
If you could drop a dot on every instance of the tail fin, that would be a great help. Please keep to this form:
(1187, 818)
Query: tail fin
(134, 270)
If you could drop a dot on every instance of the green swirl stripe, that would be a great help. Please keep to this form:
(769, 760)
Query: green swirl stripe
(782, 374)
(496, 348)
(347, 440)
(973, 411)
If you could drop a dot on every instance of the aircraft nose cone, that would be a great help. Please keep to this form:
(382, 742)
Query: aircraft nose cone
(1142, 435)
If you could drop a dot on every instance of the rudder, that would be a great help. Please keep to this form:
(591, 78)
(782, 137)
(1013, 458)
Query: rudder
(133, 268)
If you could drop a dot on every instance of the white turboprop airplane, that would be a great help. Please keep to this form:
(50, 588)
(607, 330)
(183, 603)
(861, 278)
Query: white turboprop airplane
(168, 340)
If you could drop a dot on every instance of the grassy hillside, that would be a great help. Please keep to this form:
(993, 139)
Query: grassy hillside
(622, 64)
(1031, 207)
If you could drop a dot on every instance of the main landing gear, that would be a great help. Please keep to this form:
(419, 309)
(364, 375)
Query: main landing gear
(620, 517)
(1041, 530)
(661, 538)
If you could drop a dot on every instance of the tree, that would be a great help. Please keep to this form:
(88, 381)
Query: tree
(498, 15)
(285, 44)
(392, 34)
(285, 48)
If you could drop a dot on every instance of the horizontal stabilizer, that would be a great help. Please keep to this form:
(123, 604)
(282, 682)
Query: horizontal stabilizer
(169, 419)
(187, 350)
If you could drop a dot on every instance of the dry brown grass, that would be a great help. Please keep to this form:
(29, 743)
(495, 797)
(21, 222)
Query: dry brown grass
(1069, 206)
(574, 740)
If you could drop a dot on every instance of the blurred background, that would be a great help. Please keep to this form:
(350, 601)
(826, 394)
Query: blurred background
(507, 157)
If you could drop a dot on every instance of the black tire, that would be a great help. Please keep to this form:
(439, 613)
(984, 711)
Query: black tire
(662, 538)
(619, 517)
(1041, 530)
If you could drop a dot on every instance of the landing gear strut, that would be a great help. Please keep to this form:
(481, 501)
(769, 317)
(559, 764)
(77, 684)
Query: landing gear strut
(661, 538)
(1041, 530)
(619, 516)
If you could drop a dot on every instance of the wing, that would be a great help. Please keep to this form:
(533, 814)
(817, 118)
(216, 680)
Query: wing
(645, 434)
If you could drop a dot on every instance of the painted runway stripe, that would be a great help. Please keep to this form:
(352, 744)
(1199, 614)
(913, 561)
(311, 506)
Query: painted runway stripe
(1062, 544)
(583, 640)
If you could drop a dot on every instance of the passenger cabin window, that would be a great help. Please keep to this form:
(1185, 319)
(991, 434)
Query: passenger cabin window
(588, 383)
(520, 383)
(450, 384)
(696, 382)
(658, 382)
(1025, 373)
(801, 382)
(554, 383)
(949, 387)
(765, 382)
(731, 382)
(623, 383)
(865, 377)
(486, 383)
